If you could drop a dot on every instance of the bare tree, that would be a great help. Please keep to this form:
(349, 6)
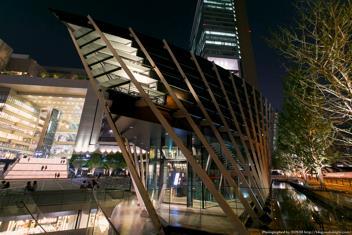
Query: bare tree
(305, 138)
(321, 45)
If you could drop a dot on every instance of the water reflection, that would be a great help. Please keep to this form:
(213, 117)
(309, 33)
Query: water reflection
(298, 212)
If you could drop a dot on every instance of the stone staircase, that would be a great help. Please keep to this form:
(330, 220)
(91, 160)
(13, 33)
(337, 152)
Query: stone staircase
(38, 168)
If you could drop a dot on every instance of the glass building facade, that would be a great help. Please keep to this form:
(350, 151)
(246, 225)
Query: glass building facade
(203, 134)
(215, 33)
(221, 33)
(38, 125)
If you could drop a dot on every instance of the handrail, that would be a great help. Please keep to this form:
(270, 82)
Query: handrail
(10, 189)
(105, 215)
(29, 212)
(10, 167)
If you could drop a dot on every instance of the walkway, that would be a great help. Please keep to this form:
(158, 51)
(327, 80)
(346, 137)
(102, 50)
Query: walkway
(337, 184)
(120, 183)
(330, 183)
(130, 219)
(45, 185)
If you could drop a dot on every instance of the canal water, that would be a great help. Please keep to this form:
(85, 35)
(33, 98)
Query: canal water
(299, 212)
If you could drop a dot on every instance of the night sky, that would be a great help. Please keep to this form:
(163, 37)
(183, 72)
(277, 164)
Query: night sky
(29, 28)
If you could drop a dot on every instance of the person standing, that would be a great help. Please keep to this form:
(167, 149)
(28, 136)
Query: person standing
(3, 183)
(83, 185)
(28, 187)
(35, 186)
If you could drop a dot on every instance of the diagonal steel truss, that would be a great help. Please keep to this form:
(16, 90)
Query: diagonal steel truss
(218, 136)
(255, 141)
(193, 125)
(126, 151)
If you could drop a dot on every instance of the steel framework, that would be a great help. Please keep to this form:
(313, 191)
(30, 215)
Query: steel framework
(237, 117)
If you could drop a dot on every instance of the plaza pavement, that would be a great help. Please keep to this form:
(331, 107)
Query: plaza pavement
(121, 183)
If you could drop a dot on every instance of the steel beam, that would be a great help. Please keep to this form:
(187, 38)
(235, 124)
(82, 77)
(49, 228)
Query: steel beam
(254, 137)
(224, 122)
(196, 167)
(251, 144)
(189, 119)
(265, 140)
(142, 167)
(120, 141)
(261, 133)
(228, 155)
(255, 174)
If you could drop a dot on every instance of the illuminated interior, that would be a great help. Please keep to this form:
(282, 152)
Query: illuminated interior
(107, 71)
(71, 110)
(24, 124)
(226, 63)
(20, 122)
(92, 219)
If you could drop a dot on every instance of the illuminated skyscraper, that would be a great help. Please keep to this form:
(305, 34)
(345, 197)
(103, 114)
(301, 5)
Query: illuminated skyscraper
(221, 34)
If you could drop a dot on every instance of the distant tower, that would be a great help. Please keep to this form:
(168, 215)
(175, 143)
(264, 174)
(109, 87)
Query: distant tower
(221, 34)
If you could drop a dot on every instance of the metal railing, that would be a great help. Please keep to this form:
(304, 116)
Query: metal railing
(17, 202)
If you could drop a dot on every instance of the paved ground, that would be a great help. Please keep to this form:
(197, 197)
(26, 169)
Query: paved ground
(129, 219)
(62, 184)
(121, 183)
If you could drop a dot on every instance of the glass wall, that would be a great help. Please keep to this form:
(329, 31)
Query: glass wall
(19, 123)
(92, 221)
(45, 145)
(48, 124)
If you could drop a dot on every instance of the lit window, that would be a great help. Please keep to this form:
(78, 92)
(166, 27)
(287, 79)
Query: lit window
(220, 43)
(218, 3)
(220, 7)
(220, 33)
